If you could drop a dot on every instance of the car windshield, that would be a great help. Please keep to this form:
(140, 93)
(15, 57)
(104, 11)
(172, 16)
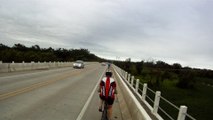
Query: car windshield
(79, 61)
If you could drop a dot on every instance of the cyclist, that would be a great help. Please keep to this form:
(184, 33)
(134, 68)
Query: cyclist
(108, 66)
(107, 90)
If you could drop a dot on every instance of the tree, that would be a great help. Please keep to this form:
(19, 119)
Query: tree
(19, 53)
(139, 67)
(186, 80)
(3, 47)
(176, 66)
(161, 64)
(20, 47)
(35, 48)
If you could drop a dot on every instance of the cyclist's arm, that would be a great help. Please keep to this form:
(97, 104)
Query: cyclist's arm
(116, 92)
(100, 85)
(99, 89)
(115, 85)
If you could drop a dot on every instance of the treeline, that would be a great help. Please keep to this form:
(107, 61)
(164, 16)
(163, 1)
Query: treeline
(155, 73)
(20, 52)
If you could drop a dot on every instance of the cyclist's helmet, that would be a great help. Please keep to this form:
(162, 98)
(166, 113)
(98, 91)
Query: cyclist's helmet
(109, 74)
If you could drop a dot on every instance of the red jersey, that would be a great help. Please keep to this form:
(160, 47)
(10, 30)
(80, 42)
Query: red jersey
(108, 86)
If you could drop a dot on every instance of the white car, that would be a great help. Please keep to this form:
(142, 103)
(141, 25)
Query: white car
(78, 64)
(103, 64)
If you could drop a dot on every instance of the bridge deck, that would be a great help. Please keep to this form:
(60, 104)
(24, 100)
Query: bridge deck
(54, 94)
(120, 111)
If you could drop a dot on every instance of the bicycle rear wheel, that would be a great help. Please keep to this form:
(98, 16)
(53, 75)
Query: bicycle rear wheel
(104, 113)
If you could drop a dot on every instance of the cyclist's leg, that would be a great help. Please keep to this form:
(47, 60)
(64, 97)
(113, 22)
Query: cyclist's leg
(109, 112)
(101, 103)
(110, 102)
(100, 106)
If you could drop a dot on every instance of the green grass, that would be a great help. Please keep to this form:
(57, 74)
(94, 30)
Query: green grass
(198, 100)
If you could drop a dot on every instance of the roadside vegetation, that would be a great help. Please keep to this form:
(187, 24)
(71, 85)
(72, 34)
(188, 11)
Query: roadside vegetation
(180, 85)
(20, 52)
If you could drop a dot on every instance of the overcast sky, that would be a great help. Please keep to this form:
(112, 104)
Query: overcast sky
(174, 31)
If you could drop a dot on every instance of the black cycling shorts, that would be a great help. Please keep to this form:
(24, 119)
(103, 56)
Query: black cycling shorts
(109, 100)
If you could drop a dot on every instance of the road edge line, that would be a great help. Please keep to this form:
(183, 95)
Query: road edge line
(83, 110)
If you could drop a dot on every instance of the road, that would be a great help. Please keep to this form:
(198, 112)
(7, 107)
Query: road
(57, 94)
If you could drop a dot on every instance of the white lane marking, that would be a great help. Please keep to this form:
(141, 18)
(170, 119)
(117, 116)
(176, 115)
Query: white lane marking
(89, 100)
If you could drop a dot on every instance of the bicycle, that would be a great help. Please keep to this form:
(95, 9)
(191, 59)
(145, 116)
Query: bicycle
(104, 113)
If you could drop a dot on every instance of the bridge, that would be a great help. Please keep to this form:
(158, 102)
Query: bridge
(56, 91)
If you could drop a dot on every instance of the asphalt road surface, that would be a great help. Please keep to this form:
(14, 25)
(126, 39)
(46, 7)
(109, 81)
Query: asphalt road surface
(58, 94)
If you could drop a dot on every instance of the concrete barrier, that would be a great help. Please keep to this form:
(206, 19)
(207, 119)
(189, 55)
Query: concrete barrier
(4, 67)
(136, 110)
(12, 67)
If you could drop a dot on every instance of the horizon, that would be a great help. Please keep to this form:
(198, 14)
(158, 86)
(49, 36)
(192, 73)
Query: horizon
(117, 58)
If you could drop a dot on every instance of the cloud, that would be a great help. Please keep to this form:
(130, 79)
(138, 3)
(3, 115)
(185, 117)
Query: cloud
(169, 30)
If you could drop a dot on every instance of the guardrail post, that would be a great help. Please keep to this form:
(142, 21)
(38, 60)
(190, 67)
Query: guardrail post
(32, 65)
(144, 91)
(129, 76)
(132, 80)
(182, 113)
(126, 75)
(122, 73)
(23, 66)
(157, 101)
(137, 85)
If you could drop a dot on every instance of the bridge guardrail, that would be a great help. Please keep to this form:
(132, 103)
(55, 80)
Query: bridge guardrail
(137, 112)
(10, 67)
(152, 99)
(24, 66)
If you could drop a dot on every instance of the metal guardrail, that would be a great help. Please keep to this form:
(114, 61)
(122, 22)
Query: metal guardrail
(152, 99)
